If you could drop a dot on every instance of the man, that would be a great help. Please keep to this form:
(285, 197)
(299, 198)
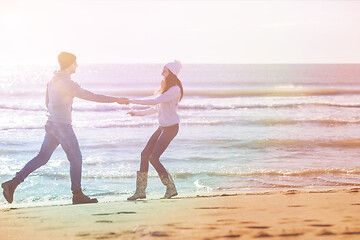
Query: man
(60, 92)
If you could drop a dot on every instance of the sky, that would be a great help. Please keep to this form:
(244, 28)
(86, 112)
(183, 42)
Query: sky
(119, 31)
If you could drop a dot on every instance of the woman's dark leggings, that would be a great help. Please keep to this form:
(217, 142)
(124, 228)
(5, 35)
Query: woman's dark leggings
(156, 145)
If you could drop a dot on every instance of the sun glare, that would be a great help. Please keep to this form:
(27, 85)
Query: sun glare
(23, 34)
(147, 31)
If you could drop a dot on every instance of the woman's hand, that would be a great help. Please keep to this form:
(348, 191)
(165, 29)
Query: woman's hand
(131, 113)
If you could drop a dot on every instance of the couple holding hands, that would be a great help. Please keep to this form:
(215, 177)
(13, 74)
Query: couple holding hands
(61, 91)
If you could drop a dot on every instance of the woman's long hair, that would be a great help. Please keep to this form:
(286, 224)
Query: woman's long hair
(170, 81)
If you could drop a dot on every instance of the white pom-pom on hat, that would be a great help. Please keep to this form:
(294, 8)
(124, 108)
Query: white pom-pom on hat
(174, 66)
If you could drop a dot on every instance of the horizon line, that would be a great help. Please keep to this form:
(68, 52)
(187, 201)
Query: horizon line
(185, 63)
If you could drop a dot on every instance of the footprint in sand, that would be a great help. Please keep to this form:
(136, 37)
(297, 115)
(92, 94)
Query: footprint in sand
(228, 195)
(262, 235)
(311, 220)
(159, 234)
(326, 233)
(354, 190)
(325, 191)
(291, 192)
(83, 234)
(232, 236)
(321, 225)
(173, 224)
(351, 233)
(106, 214)
(225, 220)
(258, 227)
(109, 235)
(290, 234)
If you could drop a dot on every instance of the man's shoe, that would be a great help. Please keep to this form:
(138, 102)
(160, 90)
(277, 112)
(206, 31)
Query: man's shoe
(80, 198)
(9, 189)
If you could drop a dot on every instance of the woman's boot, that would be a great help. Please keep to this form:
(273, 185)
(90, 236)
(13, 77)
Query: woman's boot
(167, 180)
(141, 183)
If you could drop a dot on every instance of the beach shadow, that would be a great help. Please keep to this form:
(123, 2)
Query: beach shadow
(168, 200)
(138, 201)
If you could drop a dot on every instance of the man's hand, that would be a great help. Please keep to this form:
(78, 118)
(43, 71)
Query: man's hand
(123, 101)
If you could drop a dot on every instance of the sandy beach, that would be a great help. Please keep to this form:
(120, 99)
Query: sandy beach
(285, 214)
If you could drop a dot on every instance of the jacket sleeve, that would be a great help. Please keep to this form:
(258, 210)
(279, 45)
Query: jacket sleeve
(170, 95)
(79, 92)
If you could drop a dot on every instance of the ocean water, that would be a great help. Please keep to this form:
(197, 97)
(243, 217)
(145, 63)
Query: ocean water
(243, 128)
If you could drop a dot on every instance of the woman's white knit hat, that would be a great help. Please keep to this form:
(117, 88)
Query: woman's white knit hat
(174, 66)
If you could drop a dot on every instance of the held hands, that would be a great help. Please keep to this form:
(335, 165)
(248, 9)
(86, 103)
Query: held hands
(125, 101)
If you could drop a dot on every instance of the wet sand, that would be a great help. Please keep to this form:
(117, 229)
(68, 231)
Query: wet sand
(292, 214)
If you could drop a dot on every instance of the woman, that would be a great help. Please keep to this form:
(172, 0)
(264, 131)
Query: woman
(166, 102)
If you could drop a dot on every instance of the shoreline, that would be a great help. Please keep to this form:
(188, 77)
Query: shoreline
(332, 213)
(213, 193)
